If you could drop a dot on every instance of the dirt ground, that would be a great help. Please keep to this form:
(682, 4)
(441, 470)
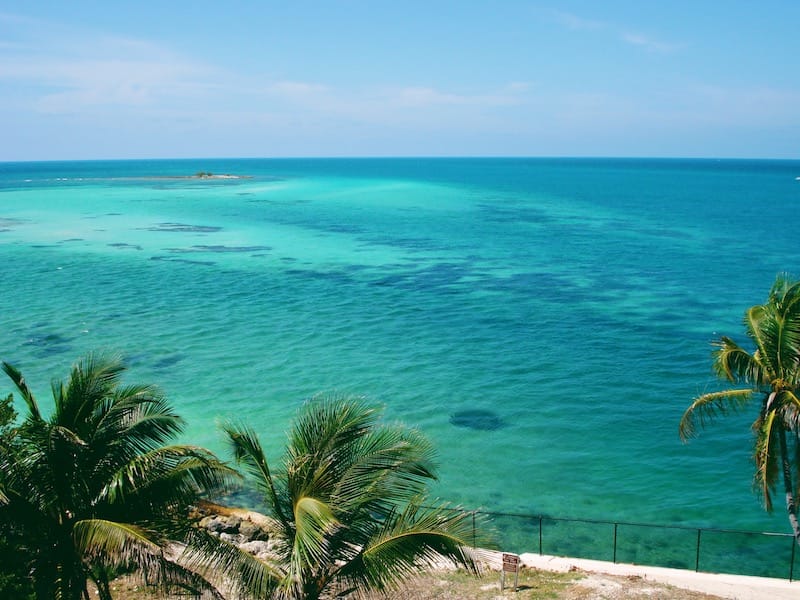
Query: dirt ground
(532, 584)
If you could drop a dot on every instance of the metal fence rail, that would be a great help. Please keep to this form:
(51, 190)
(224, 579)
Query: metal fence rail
(711, 550)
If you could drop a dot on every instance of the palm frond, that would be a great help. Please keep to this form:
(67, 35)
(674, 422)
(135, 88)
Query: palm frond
(709, 406)
(20, 383)
(389, 466)
(172, 576)
(314, 522)
(189, 470)
(329, 422)
(91, 379)
(321, 442)
(139, 416)
(784, 294)
(767, 457)
(754, 319)
(415, 539)
(249, 575)
(117, 543)
(247, 450)
(734, 363)
(790, 409)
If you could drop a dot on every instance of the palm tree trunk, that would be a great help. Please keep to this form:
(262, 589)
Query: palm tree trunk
(791, 507)
(100, 577)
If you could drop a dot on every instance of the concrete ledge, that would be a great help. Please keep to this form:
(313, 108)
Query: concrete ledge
(735, 587)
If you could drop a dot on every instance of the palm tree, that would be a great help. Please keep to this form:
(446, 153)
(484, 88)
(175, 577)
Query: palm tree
(345, 510)
(93, 487)
(772, 373)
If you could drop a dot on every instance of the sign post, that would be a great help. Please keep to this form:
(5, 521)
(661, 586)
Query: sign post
(510, 565)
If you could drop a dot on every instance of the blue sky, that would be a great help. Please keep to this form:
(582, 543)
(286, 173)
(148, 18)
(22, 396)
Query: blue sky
(88, 80)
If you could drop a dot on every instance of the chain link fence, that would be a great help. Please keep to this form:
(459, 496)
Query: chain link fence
(758, 553)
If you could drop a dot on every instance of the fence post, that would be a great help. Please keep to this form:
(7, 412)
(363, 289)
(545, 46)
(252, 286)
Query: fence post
(615, 541)
(473, 529)
(697, 555)
(540, 535)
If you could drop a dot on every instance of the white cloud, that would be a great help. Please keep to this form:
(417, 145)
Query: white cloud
(61, 70)
(427, 97)
(79, 71)
(576, 23)
(296, 90)
(650, 44)
(422, 96)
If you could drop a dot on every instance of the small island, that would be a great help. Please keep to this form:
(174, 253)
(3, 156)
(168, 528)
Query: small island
(198, 175)
(210, 175)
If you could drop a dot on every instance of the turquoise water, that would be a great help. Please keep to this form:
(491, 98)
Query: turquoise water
(569, 301)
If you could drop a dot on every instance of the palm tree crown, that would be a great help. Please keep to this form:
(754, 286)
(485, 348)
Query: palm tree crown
(94, 487)
(345, 506)
(770, 372)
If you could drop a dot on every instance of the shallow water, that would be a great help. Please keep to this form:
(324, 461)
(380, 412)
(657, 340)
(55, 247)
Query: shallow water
(564, 306)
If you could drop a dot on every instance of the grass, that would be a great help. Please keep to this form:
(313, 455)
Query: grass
(458, 585)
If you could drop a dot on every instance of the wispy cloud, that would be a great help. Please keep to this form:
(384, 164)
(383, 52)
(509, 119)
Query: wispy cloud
(646, 42)
(422, 96)
(649, 43)
(427, 97)
(296, 88)
(84, 73)
(75, 71)
(576, 23)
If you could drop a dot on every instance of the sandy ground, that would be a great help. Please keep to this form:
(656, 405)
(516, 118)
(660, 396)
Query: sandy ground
(608, 580)
(735, 587)
(593, 580)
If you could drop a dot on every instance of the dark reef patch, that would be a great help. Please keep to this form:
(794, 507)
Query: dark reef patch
(219, 249)
(184, 228)
(124, 245)
(46, 344)
(482, 420)
(207, 263)
(168, 361)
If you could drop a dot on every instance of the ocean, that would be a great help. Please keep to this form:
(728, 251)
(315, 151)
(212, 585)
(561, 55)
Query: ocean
(545, 322)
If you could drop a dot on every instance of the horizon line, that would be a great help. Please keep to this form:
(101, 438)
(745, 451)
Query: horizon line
(406, 157)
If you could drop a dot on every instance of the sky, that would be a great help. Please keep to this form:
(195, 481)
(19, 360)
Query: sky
(178, 79)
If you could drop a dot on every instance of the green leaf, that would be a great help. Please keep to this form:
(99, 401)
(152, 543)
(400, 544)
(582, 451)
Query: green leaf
(711, 405)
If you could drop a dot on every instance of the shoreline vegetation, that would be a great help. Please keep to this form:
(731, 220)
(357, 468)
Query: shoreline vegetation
(205, 175)
(209, 175)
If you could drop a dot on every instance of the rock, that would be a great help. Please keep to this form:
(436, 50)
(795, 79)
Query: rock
(215, 524)
(256, 547)
(231, 525)
(205, 522)
(250, 531)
